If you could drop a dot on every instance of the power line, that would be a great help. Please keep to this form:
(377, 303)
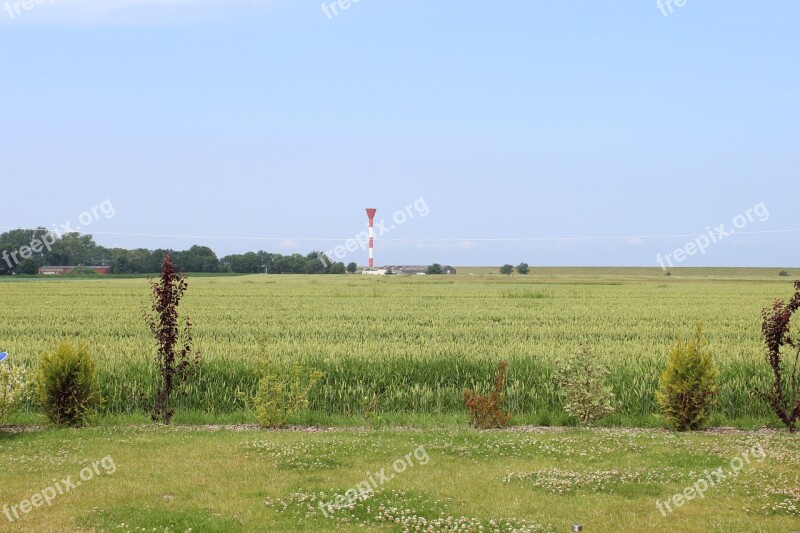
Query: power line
(447, 239)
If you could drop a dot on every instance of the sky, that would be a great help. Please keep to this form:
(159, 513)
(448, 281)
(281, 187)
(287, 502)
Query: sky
(557, 133)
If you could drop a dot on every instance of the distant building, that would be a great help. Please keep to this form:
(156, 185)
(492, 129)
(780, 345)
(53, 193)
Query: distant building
(417, 270)
(60, 270)
(374, 272)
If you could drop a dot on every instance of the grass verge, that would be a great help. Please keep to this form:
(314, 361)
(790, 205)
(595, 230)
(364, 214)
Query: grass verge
(543, 479)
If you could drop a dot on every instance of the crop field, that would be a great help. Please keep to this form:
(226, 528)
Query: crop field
(412, 344)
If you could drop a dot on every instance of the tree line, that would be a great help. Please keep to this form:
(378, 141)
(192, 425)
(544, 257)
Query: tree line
(23, 251)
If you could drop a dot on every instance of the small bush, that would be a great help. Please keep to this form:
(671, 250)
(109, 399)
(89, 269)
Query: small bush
(582, 381)
(783, 273)
(15, 389)
(282, 392)
(486, 412)
(80, 272)
(66, 383)
(688, 386)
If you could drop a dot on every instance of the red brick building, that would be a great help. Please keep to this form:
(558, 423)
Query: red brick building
(59, 270)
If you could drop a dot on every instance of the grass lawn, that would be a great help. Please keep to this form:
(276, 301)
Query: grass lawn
(211, 478)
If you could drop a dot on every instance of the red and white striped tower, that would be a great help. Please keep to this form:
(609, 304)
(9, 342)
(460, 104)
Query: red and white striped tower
(371, 215)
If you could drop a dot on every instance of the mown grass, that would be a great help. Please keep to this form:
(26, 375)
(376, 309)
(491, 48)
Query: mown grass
(415, 342)
(222, 479)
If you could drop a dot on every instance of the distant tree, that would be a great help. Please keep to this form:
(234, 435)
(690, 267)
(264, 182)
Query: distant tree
(317, 263)
(156, 256)
(337, 268)
(280, 264)
(246, 263)
(18, 253)
(297, 264)
(249, 263)
(74, 249)
(434, 269)
(252, 263)
(23, 252)
(98, 255)
(231, 263)
(507, 269)
(522, 268)
(120, 259)
(199, 259)
(180, 259)
(140, 261)
(28, 266)
(265, 260)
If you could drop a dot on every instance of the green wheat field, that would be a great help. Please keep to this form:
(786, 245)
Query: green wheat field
(395, 345)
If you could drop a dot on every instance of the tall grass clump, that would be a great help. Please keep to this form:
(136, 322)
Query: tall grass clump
(282, 392)
(15, 388)
(688, 387)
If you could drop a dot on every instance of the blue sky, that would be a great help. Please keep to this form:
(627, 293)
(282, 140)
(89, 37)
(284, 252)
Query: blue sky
(524, 119)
